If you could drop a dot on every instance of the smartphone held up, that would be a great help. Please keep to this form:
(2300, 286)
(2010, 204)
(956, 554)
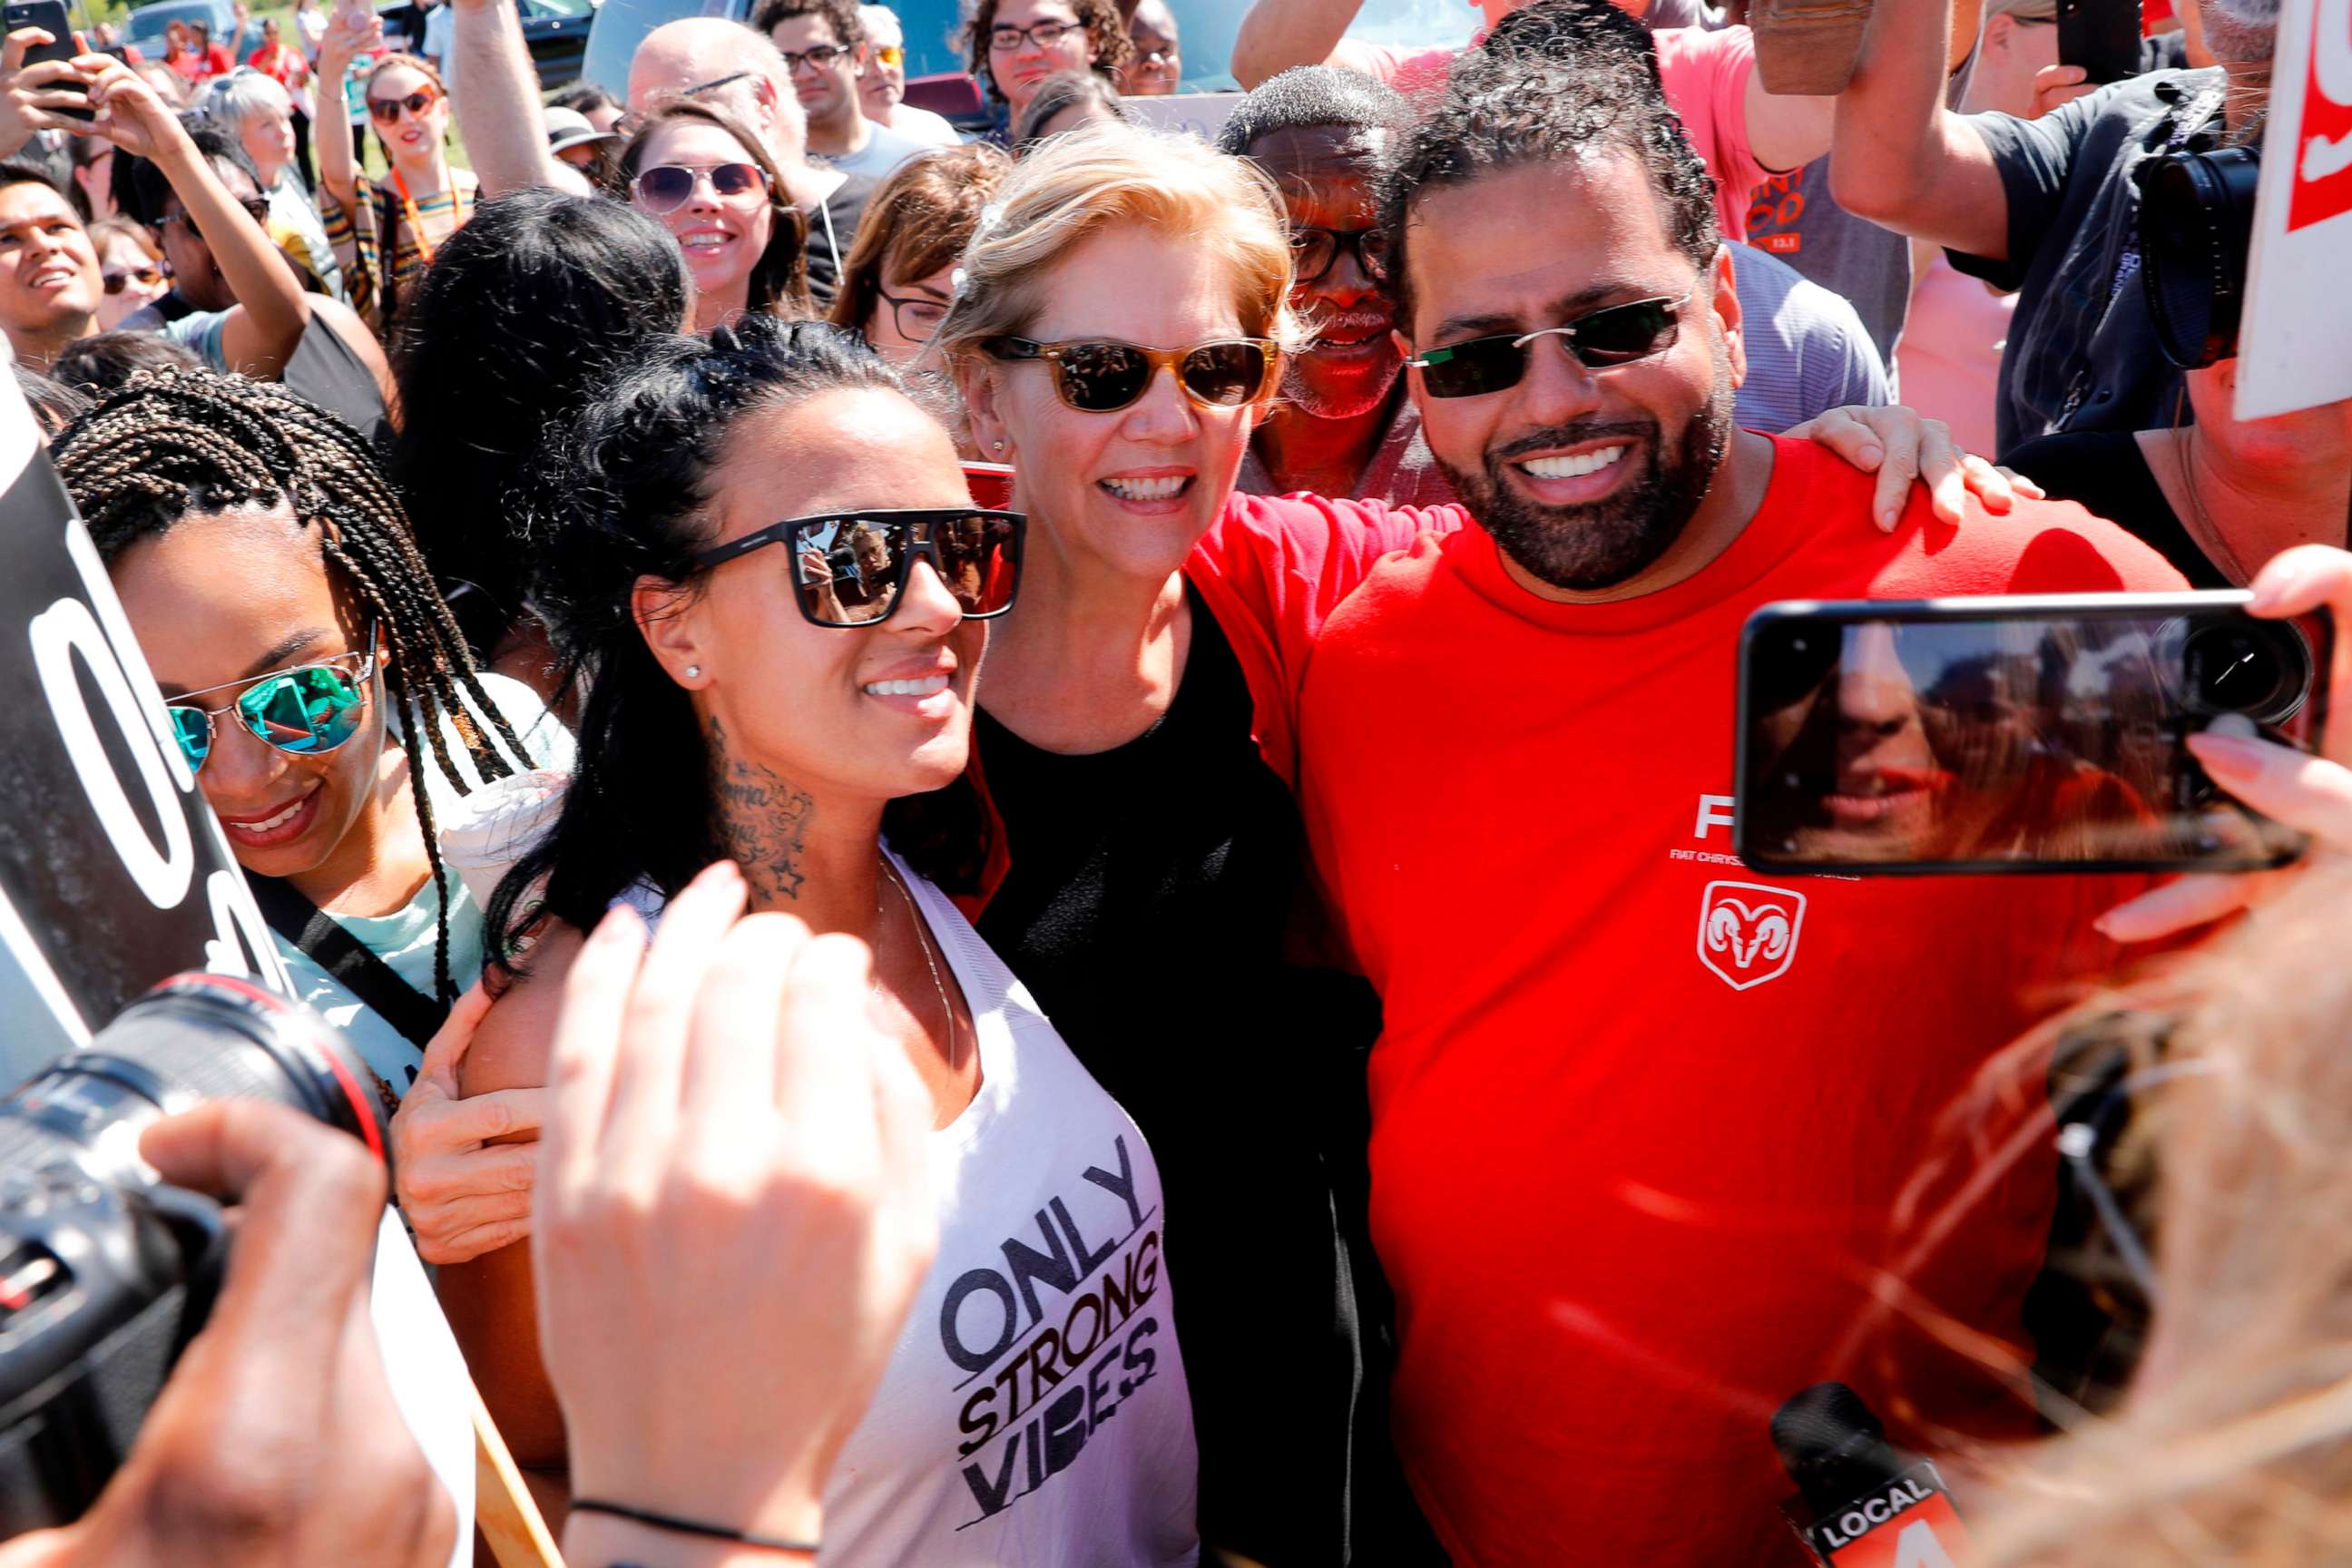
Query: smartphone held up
(49, 16)
(2030, 733)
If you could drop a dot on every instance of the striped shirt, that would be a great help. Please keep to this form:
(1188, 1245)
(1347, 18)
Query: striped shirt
(1807, 348)
(356, 233)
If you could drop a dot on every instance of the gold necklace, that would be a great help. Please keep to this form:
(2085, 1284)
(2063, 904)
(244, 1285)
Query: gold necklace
(923, 941)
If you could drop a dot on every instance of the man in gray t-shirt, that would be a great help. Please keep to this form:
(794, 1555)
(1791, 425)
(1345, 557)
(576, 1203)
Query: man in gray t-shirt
(825, 46)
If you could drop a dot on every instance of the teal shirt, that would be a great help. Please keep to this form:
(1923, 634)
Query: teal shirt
(405, 939)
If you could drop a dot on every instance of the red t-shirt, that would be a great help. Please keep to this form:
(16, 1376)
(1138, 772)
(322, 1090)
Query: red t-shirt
(215, 60)
(1626, 1185)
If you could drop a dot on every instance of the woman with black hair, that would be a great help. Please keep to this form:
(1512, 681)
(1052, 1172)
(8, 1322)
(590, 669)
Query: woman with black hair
(710, 182)
(303, 653)
(748, 708)
(527, 308)
(1064, 103)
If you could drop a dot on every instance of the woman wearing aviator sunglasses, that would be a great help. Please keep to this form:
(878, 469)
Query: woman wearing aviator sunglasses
(705, 178)
(792, 697)
(385, 231)
(302, 651)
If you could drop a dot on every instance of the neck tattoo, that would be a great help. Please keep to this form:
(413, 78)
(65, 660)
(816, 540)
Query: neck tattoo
(762, 821)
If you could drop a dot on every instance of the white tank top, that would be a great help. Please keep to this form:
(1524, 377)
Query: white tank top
(1034, 1410)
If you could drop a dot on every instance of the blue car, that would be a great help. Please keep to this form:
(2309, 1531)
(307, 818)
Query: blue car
(143, 29)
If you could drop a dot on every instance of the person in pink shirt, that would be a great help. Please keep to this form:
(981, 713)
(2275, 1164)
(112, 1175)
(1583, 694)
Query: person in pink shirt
(1743, 134)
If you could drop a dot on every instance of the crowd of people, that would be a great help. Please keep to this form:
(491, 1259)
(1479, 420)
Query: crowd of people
(1128, 994)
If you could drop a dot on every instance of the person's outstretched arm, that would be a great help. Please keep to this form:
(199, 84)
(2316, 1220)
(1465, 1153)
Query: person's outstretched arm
(272, 312)
(494, 93)
(1279, 33)
(344, 39)
(1899, 157)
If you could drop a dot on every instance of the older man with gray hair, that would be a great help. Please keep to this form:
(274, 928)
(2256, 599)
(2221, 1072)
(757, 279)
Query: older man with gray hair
(882, 90)
(2046, 207)
(731, 67)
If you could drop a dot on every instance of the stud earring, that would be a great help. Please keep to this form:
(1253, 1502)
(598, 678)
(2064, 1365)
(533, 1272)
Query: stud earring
(694, 672)
(996, 446)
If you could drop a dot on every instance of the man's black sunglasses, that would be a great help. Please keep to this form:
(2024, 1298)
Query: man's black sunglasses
(850, 568)
(1614, 335)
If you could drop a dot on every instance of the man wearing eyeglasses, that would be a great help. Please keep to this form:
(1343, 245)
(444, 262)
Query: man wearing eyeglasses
(1645, 1123)
(882, 90)
(825, 46)
(1343, 424)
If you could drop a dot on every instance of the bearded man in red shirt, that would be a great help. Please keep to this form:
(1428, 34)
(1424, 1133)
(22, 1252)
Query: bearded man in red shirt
(1642, 1116)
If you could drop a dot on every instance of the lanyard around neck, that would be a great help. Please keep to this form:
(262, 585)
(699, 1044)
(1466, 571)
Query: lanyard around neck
(424, 246)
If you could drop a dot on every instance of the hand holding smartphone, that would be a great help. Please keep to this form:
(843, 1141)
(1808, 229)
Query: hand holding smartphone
(49, 16)
(2100, 36)
(2041, 733)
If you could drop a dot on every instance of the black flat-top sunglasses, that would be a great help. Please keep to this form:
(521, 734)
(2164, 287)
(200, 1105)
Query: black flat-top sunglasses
(1103, 375)
(1614, 335)
(850, 568)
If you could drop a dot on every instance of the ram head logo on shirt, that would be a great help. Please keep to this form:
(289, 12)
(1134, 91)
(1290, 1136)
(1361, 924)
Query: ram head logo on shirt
(1748, 932)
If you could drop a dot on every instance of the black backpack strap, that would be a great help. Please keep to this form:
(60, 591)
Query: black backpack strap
(345, 956)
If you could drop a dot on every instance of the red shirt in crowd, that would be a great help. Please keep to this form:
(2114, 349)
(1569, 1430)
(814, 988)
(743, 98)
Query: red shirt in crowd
(1639, 1113)
(213, 60)
(283, 65)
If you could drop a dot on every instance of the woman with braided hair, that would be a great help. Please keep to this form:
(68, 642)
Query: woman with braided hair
(302, 650)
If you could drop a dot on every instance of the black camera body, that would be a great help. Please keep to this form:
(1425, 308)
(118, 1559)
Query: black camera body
(2196, 229)
(106, 1273)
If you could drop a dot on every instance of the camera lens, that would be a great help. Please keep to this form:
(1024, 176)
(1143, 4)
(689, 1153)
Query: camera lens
(2196, 226)
(2246, 667)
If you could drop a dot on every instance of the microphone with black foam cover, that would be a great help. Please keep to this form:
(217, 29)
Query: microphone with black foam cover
(1860, 1504)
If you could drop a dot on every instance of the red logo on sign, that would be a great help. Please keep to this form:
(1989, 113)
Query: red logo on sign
(2323, 174)
(1780, 243)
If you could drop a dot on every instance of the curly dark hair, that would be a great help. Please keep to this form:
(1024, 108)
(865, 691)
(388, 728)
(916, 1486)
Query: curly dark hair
(1109, 47)
(1555, 82)
(624, 494)
(188, 443)
(847, 26)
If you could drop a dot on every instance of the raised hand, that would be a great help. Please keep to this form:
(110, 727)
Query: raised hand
(734, 1212)
(2302, 791)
